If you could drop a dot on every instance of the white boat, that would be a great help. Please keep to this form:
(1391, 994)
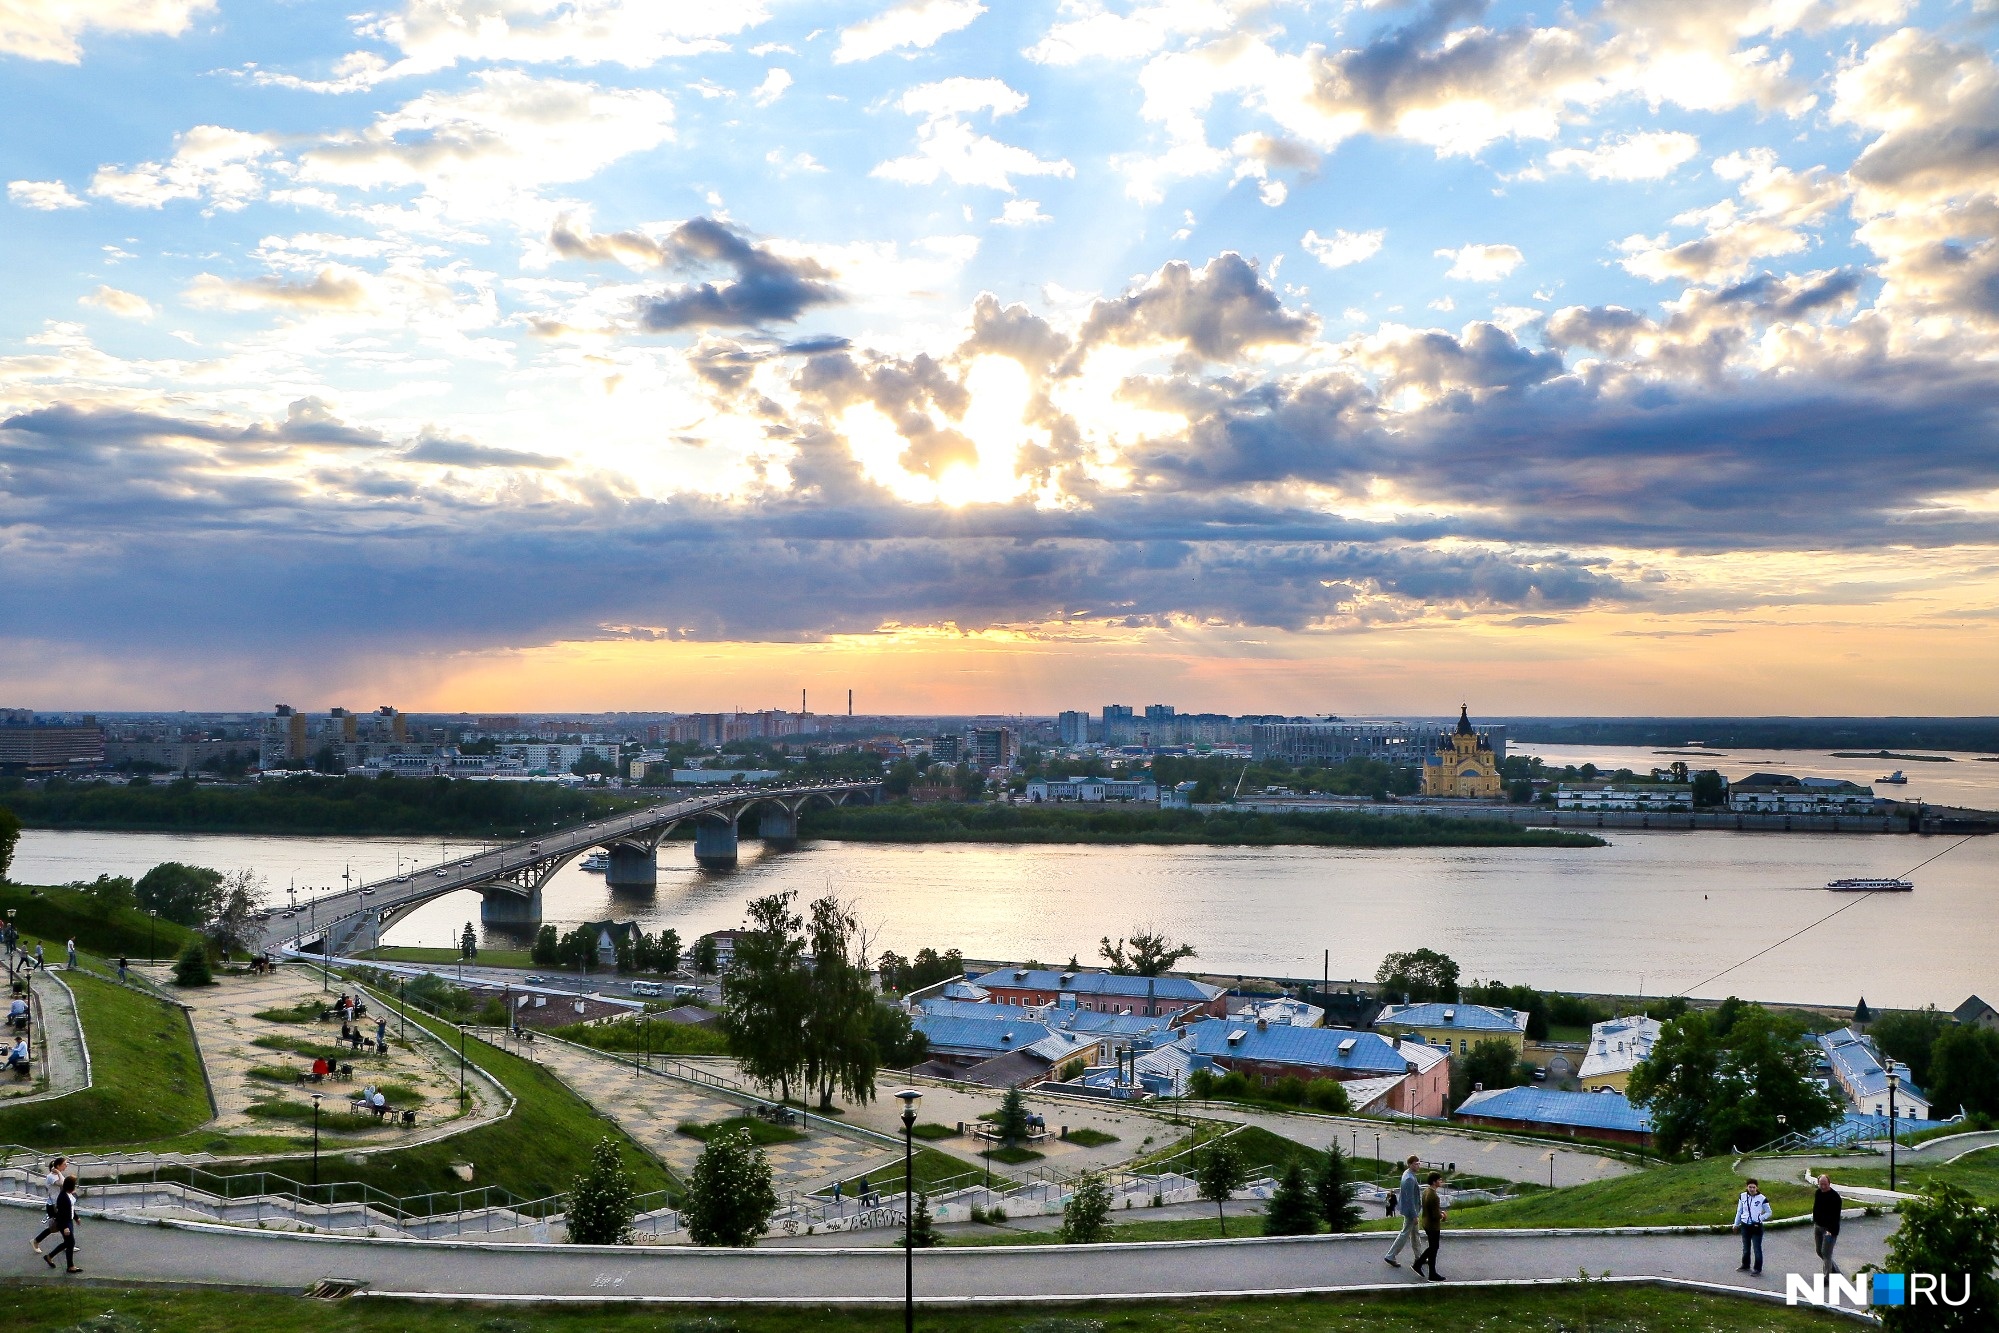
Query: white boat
(1871, 886)
(597, 862)
(1896, 779)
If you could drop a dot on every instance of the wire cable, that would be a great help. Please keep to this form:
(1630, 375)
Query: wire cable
(1822, 920)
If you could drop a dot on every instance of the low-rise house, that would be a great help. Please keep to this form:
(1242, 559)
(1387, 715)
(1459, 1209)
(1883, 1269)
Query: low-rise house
(1091, 790)
(1348, 1008)
(1615, 1048)
(725, 948)
(1123, 1027)
(1161, 1070)
(1049, 1058)
(1782, 794)
(1179, 796)
(1265, 1052)
(1974, 1012)
(1455, 1027)
(1859, 1072)
(1281, 1009)
(1104, 992)
(1618, 796)
(1577, 1115)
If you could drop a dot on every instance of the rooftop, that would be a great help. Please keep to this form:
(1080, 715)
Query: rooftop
(1544, 1106)
(1617, 1045)
(1329, 1048)
(1436, 1014)
(1098, 983)
(1859, 1068)
(1062, 1020)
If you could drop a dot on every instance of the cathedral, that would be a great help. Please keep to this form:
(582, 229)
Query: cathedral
(1463, 764)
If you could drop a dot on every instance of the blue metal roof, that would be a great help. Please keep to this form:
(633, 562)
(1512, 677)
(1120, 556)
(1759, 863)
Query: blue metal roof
(1066, 1020)
(974, 1036)
(1098, 983)
(1860, 1069)
(1369, 1052)
(1470, 1017)
(1544, 1106)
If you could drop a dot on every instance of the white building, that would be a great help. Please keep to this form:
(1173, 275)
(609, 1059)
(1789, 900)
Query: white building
(1282, 1011)
(1781, 794)
(1615, 1048)
(1640, 796)
(1090, 790)
(1856, 1068)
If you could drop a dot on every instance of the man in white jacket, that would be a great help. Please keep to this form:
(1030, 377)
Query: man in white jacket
(1752, 1211)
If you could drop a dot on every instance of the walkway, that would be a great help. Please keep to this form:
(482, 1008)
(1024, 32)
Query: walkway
(1475, 1154)
(118, 1252)
(61, 1066)
(651, 1109)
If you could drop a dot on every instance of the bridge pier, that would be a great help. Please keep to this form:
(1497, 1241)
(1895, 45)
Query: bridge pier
(715, 844)
(632, 867)
(778, 827)
(501, 907)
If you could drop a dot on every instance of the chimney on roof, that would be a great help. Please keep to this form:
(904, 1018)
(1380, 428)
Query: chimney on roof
(1262, 1024)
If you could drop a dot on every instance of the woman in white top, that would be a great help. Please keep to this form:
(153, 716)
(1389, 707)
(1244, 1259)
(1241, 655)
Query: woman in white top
(52, 1182)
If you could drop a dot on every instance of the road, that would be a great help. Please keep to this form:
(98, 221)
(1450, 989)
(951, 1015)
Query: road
(118, 1252)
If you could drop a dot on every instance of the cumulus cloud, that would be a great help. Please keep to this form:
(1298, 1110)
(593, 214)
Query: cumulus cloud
(1629, 157)
(225, 168)
(1021, 213)
(42, 196)
(1218, 312)
(773, 87)
(948, 148)
(766, 288)
(1775, 208)
(53, 29)
(445, 452)
(1481, 263)
(917, 25)
(335, 287)
(125, 305)
(1343, 248)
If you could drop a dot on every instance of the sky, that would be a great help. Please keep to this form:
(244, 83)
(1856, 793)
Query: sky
(1249, 355)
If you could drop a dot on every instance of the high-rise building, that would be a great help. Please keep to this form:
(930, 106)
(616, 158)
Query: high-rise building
(1118, 727)
(990, 747)
(1073, 728)
(37, 746)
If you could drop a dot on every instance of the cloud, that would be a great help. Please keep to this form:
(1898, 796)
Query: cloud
(767, 287)
(948, 148)
(1629, 157)
(1343, 248)
(444, 452)
(52, 29)
(42, 196)
(772, 88)
(1097, 33)
(221, 166)
(1021, 213)
(1777, 204)
(1481, 263)
(335, 287)
(1217, 312)
(125, 305)
(918, 24)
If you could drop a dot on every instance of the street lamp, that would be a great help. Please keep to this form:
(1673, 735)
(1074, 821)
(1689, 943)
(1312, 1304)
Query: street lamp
(152, 932)
(1409, 1068)
(910, 1099)
(315, 1139)
(1894, 1082)
(461, 1065)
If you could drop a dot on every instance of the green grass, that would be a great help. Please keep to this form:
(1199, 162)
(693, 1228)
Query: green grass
(1091, 1138)
(316, 1050)
(307, 1010)
(1692, 1194)
(933, 1131)
(657, 1037)
(535, 1152)
(55, 916)
(331, 1120)
(147, 1077)
(398, 953)
(1977, 1172)
(931, 1168)
(762, 1132)
(59, 1309)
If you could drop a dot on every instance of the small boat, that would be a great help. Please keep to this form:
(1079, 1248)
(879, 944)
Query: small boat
(1871, 886)
(597, 863)
(1895, 779)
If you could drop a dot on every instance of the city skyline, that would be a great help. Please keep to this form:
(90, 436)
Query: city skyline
(499, 355)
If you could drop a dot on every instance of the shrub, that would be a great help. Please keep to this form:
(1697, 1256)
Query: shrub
(1328, 1095)
(602, 1202)
(1292, 1208)
(730, 1199)
(192, 969)
(1290, 1090)
(1947, 1233)
(1087, 1216)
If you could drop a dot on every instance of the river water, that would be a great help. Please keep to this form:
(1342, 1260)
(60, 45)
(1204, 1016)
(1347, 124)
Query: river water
(1652, 913)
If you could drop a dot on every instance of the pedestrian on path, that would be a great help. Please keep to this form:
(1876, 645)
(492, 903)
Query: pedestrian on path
(52, 1186)
(1752, 1213)
(382, 1034)
(65, 1224)
(1408, 1199)
(1432, 1212)
(72, 955)
(1825, 1224)
(39, 964)
(121, 971)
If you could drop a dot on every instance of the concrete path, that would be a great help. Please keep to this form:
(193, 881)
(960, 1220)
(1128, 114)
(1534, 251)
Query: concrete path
(61, 1066)
(181, 1253)
(1946, 1149)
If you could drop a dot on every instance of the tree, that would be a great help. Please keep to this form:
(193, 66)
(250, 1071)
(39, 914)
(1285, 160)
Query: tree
(1909, 1037)
(706, 959)
(10, 835)
(108, 891)
(1737, 1089)
(578, 949)
(764, 996)
(468, 942)
(1965, 1067)
(186, 895)
(1945, 1232)
(231, 928)
(192, 967)
(898, 1045)
(1221, 1171)
(1333, 1190)
(730, 1199)
(1147, 954)
(1677, 1081)
(1421, 974)
(1490, 1064)
(840, 1049)
(922, 1226)
(1710, 789)
(602, 1201)
(1862, 1015)
(546, 946)
(1086, 1217)
(1292, 1210)
(666, 952)
(1012, 1125)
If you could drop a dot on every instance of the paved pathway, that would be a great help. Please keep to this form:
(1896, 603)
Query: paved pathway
(60, 1065)
(651, 1109)
(120, 1252)
(1478, 1154)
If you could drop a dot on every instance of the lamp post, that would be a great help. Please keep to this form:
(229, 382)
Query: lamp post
(152, 933)
(910, 1099)
(1894, 1082)
(1409, 1068)
(461, 1064)
(315, 1139)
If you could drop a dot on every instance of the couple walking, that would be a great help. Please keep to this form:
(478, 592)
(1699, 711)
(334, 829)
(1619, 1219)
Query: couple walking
(61, 1210)
(1424, 1204)
(1752, 1214)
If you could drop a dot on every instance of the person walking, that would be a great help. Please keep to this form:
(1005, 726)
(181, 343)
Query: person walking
(382, 1034)
(1752, 1213)
(72, 955)
(1408, 1200)
(52, 1186)
(65, 1224)
(40, 965)
(1432, 1212)
(121, 971)
(1826, 1204)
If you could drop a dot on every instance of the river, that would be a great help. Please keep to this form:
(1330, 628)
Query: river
(1652, 913)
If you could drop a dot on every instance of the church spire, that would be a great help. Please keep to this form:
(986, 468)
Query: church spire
(1464, 720)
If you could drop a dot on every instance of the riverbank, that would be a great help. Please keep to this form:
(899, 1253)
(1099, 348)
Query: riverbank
(1146, 825)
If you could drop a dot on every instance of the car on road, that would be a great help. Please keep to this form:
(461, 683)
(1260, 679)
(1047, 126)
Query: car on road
(686, 992)
(647, 988)
(440, 874)
(366, 892)
(534, 980)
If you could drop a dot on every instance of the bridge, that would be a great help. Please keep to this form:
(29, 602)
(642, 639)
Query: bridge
(510, 878)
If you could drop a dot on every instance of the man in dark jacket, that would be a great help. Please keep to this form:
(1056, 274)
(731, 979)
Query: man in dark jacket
(1825, 1222)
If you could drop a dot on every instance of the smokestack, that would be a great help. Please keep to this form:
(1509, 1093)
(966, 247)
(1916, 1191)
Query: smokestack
(801, 703)
(850, 704)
